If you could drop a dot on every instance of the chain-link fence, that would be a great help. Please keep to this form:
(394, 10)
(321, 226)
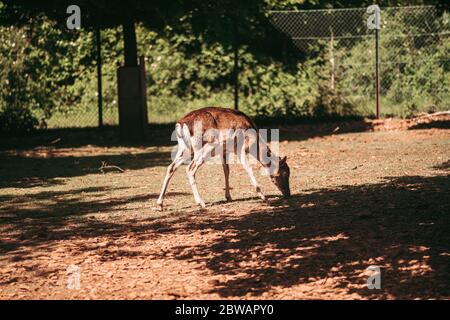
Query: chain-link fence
(83, 117)
(413, 50)
(333, 70)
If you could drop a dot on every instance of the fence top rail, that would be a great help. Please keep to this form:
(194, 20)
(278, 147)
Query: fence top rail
(349, 9)
(371, 36)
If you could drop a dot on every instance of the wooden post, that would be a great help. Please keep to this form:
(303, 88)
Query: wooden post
(131, 89)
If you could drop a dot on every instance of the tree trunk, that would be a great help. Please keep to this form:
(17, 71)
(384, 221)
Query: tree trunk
(129, 43)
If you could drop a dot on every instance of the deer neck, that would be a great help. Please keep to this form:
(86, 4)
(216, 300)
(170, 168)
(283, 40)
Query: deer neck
(266, 157)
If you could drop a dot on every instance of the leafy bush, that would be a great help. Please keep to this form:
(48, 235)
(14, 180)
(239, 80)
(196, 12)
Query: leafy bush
(48, 73)
(16, 120)
(39, 64)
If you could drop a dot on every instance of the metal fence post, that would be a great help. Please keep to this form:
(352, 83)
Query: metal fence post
(99, 76)
(236, 62)
(377, 71)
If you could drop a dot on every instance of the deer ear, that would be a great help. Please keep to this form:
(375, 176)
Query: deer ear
(283, 160)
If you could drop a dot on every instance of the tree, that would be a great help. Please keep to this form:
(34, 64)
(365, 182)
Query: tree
(96, 15)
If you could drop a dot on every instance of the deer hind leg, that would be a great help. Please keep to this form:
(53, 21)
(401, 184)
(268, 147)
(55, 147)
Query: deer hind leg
(226, 171)
(247, 166)
(180, 157)
(200, 157)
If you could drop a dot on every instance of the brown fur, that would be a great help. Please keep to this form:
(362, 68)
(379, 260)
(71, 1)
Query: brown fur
(218, 118)
(221, 119)
(224, 118)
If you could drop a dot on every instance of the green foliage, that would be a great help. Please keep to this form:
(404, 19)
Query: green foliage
(421, 81)
(48, 74)
(38, 67)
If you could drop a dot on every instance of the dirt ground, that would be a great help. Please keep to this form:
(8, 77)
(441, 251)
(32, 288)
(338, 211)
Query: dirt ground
(364, 193)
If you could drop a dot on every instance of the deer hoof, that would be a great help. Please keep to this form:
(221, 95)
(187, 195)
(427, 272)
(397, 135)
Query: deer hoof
(202, 205)
(159, 207)
(228, 198)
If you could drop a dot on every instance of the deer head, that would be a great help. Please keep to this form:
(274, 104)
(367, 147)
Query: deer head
(281, 177)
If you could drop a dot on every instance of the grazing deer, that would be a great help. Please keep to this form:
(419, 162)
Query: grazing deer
(207, 132)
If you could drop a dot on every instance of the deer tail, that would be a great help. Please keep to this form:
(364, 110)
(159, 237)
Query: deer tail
(183, 133)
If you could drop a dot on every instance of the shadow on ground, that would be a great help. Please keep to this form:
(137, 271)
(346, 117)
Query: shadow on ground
(39, 218)
(291, 129)
(437, 124)
(401, 224)
(160, 134)
(20, 166)
(18, 170)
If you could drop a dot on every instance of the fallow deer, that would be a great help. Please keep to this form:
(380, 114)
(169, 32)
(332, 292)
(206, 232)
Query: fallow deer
(204, 144)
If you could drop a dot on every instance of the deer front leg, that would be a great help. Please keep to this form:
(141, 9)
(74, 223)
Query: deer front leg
(191, 170)
(226, 171)
(179, 159)
(199, 158)
(245, 163)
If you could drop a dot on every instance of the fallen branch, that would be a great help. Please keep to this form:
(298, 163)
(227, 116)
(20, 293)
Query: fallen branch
(106, 166)
(55, 141)
(427, 115)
